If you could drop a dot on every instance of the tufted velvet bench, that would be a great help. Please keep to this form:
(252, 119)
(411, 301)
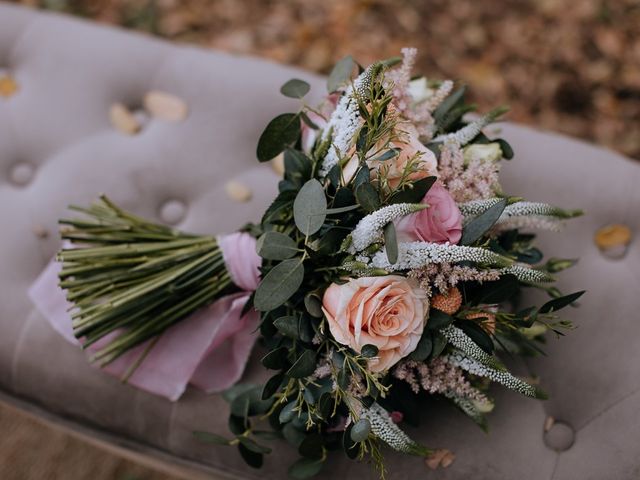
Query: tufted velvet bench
(58, 146)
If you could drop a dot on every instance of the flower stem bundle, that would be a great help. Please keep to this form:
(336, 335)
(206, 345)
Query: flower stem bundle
(130, 279)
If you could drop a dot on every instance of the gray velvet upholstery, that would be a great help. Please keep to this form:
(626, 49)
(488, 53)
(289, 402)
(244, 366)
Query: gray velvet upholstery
(57, 146)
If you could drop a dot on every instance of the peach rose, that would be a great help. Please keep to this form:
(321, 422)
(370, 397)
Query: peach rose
(409, 145)
(388, 312)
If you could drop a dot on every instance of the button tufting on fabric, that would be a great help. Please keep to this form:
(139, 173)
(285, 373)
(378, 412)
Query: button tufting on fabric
(173, 211)
(8, 84)
(613, 240)
(21, 174)
(165, 106)
(123, 119)
(238, 191)
(559, 437)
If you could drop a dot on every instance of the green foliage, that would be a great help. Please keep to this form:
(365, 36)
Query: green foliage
(276, 246)
(310, 207)
(475, 229)
(281, 132)
(341, 74)
(279, 284)
(295, 88)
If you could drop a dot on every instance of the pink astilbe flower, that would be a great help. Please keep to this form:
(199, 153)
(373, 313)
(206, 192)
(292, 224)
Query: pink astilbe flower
(418, 114)
(437, 376)
(475, 181)
(444, 276)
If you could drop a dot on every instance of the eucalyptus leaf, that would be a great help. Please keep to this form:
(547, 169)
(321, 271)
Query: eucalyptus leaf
(313, 304)
(311, 446)
(288, 326)
(288, 412)
(305, 468)
(272, 385)
(252, 459)
(276, 246)
(369, 351)
(341, 74)
(280, 133)
(477, 334)
(310, 207)
(350, 447)
(388, 155)
(423, 349)
(295, 88)
(279, 284)
(275, 359)
(477, 227)
(438, 319)
(253, 445)
(292, 435)
(507, 151)
(304, 366)
(447, 104)
(368, 197)
(439, 344)
(360, 431)
(391, 242)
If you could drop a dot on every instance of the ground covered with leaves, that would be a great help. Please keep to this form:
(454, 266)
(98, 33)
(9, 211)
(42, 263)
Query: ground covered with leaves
(571, 66)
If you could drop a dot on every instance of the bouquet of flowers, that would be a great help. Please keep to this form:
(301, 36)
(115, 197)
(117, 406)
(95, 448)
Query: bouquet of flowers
(391, 264)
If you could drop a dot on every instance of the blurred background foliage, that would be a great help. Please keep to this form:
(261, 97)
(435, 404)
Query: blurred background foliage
(567, 65)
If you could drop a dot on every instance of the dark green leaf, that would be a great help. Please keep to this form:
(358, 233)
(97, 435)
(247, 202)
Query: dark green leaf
(295, 88)
(305, 468)
(341, 74)
(439, 344)
(501, 290)
(448, 103)
(310, 207)
(477, 334)
(391, 242)
(298, 168)
(308, 121)
(360, 431)
(237, 425)
(369, 351)
(330, 241)
(350, 447)
(482, 223)
(279, 284)
(275, 359)
(252, 459)
(292, 435)
(325, 405)
(368, 198)
(313, 304)
(276, 246)
(272, 386)
(561, 302)
(281, 132)
(414, 192)
(253, 445)
(423, 349)
(507, 151)
(304, 366)
(349, 208)
(249, 403)
(362, 176)
(288, 413)
(388, 155)
(208, 437)
(438, 320)
(288, 326)
(311, 446)
(230, 394)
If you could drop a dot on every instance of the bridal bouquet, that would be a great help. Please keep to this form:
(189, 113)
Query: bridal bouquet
(388, 269)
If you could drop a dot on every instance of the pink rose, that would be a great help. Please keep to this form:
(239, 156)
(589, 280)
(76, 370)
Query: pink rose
(409, 145)
(440, 223)
(388, 312)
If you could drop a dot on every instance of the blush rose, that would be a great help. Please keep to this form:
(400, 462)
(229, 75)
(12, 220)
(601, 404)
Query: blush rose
(440, 223)
(388, 312)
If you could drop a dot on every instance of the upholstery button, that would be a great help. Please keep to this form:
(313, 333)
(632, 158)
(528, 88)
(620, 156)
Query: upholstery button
(559, 437)
(8, 85)
(21, 174)
(613, 240)
(165, 106)
(122, 119)
(173, 211)
(238, 191)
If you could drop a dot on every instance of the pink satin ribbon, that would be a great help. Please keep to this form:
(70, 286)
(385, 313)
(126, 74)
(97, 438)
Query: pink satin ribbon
(209, 349)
